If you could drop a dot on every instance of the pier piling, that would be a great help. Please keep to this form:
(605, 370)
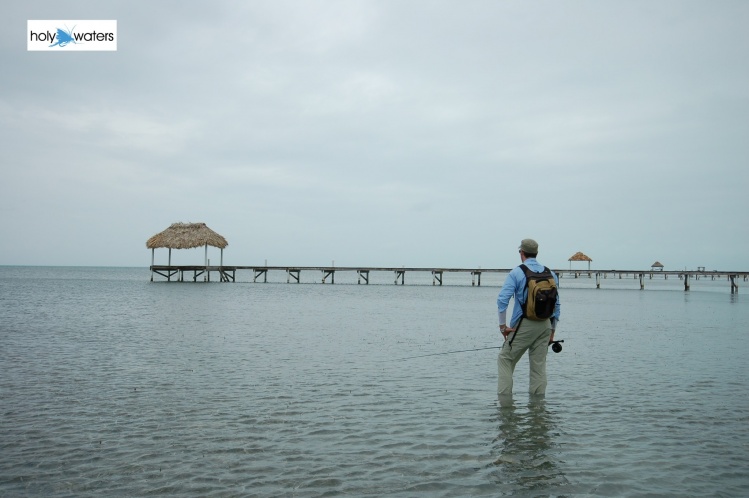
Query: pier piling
(328, 273)
(400, 274)
(477, 274)
(436, 277)
(362, 274)
(292, 273)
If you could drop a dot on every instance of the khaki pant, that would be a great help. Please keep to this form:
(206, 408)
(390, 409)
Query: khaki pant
(532, 336)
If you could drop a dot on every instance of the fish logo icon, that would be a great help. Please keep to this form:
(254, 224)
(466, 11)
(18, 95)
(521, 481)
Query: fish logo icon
(71, 35)
(64, 37)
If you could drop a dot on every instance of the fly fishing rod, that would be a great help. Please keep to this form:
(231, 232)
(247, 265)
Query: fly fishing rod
(555, 346)
(448, 352)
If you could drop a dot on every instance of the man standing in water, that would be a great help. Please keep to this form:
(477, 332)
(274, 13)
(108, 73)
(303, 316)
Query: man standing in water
(526, 331)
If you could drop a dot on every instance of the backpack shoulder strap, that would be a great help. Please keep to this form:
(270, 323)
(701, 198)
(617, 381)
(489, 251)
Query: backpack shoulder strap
(526, 270)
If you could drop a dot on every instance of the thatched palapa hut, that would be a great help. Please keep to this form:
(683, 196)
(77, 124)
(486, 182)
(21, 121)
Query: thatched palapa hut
(187, 236)
(658, 265)
(578, 256)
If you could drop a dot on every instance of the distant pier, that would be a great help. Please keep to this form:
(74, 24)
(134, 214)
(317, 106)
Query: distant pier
(327, 274)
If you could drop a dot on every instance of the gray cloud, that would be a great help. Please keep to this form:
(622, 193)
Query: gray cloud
(383, 132)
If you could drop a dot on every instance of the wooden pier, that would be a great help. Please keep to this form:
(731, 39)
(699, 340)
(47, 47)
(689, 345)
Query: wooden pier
(327, 274)
(732, 277)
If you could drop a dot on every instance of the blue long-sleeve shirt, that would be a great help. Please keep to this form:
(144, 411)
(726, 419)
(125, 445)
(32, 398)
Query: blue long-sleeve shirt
(514, 286)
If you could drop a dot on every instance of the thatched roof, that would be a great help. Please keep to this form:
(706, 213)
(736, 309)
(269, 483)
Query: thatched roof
(186, 236)
(578, 256)
(657, 264)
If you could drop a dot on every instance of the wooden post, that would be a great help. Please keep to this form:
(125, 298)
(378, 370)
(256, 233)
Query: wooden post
(686, 281)
(476, 274)
(152, 256)
(328, 273)
(169, 264)
(257, 273)
(642, 282)
(734, 285)
(293, 273)
(205, 278)
(402, 275)
(363, 274)
(598, 280)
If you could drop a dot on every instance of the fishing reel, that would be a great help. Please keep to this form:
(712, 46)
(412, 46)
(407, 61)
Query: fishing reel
(556, 346)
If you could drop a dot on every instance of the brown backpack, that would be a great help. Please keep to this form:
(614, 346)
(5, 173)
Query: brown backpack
(542, 294)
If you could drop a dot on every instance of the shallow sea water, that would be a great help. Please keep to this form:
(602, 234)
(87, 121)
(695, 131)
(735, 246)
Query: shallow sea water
(115, 386)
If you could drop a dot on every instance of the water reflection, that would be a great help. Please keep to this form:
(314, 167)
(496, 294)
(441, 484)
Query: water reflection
(524, 452)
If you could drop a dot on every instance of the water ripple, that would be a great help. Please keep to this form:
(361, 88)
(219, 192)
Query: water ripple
(247, 390)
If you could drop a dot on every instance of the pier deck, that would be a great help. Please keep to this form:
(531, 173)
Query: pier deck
(260, 273)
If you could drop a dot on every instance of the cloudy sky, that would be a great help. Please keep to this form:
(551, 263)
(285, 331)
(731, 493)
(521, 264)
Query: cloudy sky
(404, 132)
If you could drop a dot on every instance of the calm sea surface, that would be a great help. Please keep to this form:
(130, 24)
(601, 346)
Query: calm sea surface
(111, 385)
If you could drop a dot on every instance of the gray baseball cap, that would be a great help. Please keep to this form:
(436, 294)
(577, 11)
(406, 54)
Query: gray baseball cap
(529, 246)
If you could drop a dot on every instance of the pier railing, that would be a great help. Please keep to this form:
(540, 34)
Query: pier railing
(327, 274)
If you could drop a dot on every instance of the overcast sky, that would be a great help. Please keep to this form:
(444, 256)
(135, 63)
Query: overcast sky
(381, 133)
